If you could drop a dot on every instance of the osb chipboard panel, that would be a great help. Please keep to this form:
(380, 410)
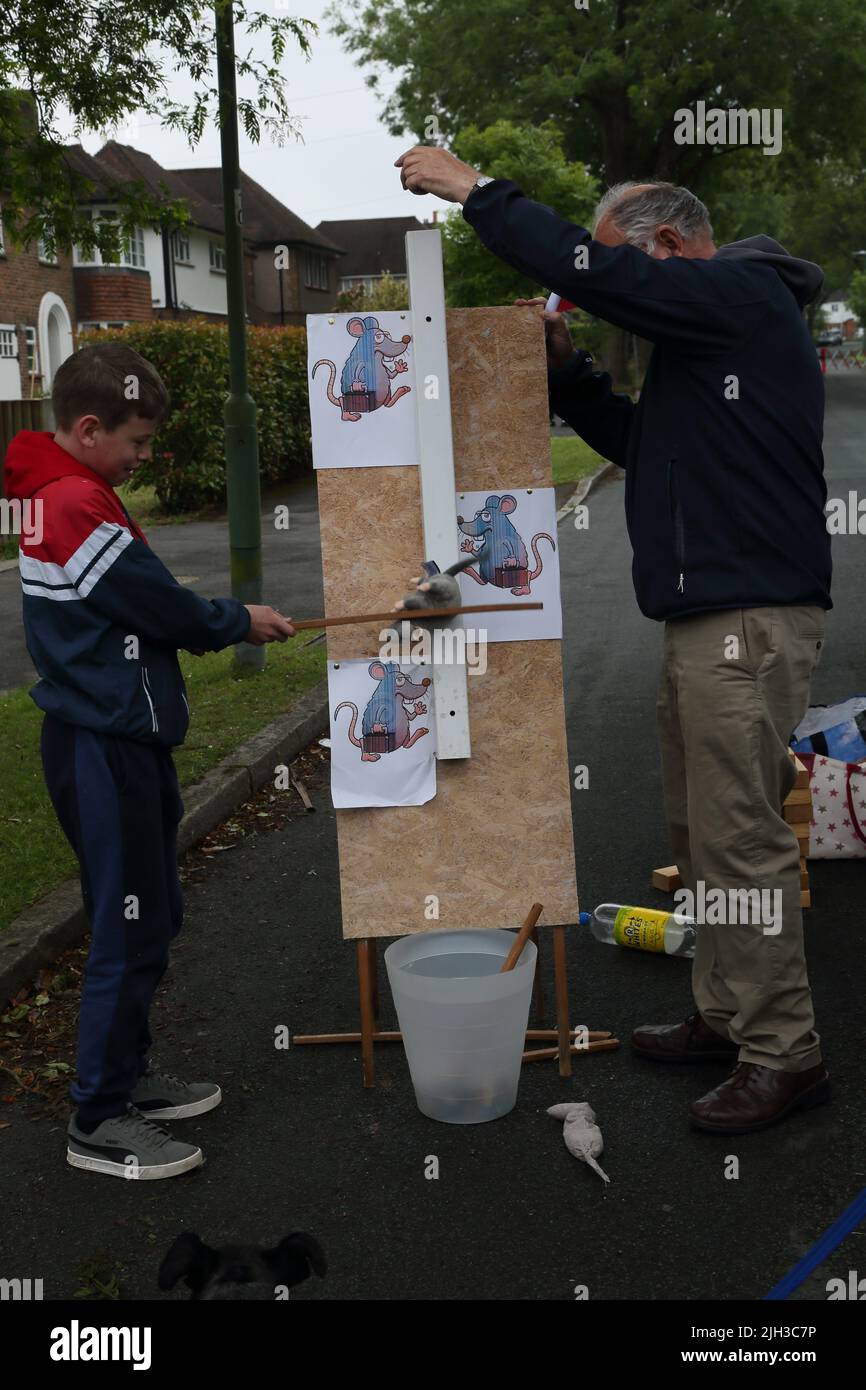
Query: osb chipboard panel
(497, 836)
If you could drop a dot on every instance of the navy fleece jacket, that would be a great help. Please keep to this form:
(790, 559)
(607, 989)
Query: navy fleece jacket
(725, 489)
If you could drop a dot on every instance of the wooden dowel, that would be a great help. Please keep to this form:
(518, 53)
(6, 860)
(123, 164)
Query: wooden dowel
(561, 983)
(302, 1038)
(522, 937)
(411, 615)
(532, 1035)
(368, 1026)
(537, 986)
(539, 1034)
(542, 1054)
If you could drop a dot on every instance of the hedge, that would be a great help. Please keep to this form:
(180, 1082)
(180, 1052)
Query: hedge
(187, 469)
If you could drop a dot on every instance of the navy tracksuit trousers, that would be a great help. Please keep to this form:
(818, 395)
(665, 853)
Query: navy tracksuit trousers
(119, 805)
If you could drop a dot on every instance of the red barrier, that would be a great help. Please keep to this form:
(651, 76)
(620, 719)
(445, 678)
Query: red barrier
(837, 358)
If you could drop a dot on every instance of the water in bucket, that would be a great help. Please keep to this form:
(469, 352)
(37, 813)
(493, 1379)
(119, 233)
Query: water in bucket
(463, 1022)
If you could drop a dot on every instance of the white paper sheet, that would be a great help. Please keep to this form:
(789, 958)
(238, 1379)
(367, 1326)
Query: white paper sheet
(373, 697)
(372, 352)
(511, 529)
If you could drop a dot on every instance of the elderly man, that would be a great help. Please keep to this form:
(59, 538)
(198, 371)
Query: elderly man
(724, 500)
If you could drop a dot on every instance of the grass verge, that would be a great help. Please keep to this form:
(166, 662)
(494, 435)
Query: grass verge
(573, 459)
(227, 708)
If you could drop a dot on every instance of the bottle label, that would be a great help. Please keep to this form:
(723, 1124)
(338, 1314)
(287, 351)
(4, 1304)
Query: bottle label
(643, 928)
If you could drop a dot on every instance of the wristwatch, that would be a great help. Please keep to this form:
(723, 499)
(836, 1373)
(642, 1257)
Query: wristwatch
(480, 182)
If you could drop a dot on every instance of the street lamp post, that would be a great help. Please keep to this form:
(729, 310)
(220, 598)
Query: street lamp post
(242, 453)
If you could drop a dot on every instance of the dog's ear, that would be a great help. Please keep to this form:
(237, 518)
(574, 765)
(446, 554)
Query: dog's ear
(189, 1257)
(297, 1256)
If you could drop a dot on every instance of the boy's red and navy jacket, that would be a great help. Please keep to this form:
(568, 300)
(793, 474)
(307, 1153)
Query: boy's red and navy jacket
(90, 584)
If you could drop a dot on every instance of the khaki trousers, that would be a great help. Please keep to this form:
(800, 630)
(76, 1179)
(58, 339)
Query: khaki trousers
(734, 685)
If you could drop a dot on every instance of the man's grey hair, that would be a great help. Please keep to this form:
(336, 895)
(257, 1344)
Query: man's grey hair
(639, 215)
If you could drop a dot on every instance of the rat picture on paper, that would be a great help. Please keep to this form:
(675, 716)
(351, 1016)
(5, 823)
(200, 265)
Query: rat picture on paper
(513, 537)
(382, 734)
(361, 380)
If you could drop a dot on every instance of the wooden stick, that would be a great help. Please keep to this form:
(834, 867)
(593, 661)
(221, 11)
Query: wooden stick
(313, 1038)
(561, 983)
(522, 937)
(373, 961)
(539, 1034)
(532, 1035)
(411, 615)
(367, 1022)
(537, 986)
(301, 790)
(542, 1054)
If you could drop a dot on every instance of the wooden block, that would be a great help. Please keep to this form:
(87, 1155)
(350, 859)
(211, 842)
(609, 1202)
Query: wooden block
(803, 865)
(667, 880)
(801, 830)
(803, 797)
(793, 814)
(804, 880)
(802, 772)
(805, 899)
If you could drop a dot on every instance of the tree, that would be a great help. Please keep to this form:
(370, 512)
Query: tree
(614, 73)
(534, 158)
(104, 60)
(857, 296)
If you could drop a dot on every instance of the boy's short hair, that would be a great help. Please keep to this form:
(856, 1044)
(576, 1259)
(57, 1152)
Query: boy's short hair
(96, 381)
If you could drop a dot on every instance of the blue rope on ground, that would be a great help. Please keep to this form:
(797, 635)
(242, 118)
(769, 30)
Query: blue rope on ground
(824, 1246)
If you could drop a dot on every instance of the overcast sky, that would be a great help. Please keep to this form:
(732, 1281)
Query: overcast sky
(343, 168)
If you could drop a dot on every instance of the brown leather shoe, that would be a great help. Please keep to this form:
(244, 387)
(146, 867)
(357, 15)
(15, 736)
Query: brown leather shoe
(691, 1041)
(754, 1097)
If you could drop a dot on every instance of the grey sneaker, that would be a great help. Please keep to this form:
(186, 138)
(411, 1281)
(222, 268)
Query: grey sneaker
(130, 1146)
(161, 1096)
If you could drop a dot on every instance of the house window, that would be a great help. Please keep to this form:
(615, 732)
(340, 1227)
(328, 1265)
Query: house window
(132, 253)
(32, 352)
(135, 249)
(8, 340)
(46, 257)
(315, 271)
(217, 256)
(180, 244)
(2, 243)
(91, 324)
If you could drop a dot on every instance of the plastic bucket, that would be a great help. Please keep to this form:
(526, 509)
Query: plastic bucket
(463, 1023)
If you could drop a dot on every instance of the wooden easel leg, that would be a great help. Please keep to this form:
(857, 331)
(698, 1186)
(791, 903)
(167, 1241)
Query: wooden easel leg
(538, 987)
(365, 978)
(561, 984)
(373, 960)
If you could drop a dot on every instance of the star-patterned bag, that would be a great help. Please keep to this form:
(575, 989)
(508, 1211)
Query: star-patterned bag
(838, 826)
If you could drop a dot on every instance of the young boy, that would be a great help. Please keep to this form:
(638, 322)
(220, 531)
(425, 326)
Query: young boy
(103, 619)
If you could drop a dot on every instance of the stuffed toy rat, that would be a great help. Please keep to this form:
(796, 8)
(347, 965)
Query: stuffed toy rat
(581, 1134)
(437, 590)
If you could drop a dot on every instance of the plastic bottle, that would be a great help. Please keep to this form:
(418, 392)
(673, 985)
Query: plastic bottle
(642, 928)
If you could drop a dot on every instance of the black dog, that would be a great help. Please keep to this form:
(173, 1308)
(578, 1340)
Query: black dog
(219, 1273)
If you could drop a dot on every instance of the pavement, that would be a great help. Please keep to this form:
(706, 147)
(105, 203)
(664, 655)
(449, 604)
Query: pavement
(298, 1143)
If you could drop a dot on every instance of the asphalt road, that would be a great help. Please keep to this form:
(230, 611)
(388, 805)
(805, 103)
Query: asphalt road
(299, 1143)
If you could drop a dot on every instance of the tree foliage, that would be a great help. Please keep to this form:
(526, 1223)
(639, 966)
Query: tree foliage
(104, 60)
(614, 74)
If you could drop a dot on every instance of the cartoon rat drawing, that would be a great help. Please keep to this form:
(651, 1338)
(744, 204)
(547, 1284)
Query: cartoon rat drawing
(365, 383)
(499, 546)
(385, 725)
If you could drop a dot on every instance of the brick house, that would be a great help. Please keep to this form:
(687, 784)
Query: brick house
(282, 287)
(289, 269)
(37, 318)
(375, 246)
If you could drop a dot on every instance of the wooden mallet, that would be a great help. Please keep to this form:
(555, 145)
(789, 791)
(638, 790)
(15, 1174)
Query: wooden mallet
(521, 939)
